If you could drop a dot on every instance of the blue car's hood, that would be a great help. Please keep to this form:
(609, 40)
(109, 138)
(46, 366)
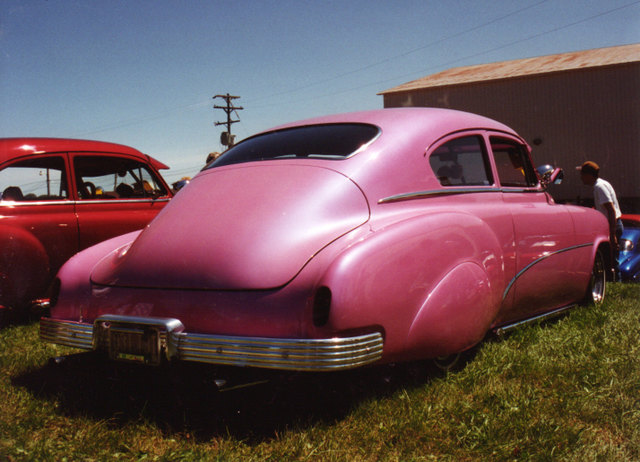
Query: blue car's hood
(629, 261)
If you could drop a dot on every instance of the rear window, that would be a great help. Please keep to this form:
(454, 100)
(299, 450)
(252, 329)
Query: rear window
(331, 141)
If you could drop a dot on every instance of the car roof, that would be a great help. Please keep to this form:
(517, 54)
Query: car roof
(413, 119)
(398, 152)
(11, 148)
(631, 219)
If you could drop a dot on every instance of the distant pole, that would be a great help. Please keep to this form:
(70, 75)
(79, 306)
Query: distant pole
(227, 139)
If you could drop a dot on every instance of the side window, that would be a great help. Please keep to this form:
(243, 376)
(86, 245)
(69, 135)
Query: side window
(513, 164)
(461, 162)
(111, 177)
(38, 179)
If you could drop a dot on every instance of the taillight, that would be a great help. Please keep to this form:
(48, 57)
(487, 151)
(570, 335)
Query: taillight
(321, 306)
(55, 293)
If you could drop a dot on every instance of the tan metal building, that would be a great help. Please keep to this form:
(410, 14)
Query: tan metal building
(570, 107)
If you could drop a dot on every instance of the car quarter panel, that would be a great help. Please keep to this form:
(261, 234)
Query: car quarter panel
(75, 294)
(409, 275)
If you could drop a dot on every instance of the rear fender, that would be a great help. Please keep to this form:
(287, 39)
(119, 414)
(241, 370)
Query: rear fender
(419, 278)
(456, 315)
(76, 291)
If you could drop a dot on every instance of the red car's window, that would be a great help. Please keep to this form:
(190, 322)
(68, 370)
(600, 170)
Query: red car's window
(112, 177)
(330, 141)
(38, 179)
(513, 164)
(461, 162)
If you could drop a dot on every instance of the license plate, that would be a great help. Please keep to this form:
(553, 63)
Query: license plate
(134, 344)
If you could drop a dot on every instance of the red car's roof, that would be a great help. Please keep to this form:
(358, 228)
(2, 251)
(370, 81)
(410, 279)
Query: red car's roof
(11, 148)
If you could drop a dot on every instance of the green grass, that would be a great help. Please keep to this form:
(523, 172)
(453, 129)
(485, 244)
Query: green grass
(565, 390)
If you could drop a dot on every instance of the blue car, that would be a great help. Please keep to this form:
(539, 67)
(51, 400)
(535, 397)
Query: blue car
(629, 258)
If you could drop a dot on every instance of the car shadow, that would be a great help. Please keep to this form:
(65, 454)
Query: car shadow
(204, 401)
(20, 317)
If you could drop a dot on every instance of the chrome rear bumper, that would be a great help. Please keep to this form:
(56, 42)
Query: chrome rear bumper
(174, 344)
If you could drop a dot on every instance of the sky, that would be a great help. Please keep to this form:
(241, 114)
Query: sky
(144, 73)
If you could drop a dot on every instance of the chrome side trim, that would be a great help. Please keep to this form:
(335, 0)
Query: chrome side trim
(454, 191)
(436, 193)
(329, 354)
(535, 262)
(502, 330)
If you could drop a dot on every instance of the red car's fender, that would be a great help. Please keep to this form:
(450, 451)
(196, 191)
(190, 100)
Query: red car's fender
(24, 265)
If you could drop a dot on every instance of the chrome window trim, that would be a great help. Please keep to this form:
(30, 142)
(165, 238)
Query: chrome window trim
(80, 202)
(325, 354)
(329, 157)
(511, 189)
(13, 204)
(437, 193)
(121, 201)
(453, 191)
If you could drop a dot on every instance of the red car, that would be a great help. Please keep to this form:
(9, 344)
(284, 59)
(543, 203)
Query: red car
(59, 196)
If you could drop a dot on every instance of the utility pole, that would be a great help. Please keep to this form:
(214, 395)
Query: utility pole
(226, 138)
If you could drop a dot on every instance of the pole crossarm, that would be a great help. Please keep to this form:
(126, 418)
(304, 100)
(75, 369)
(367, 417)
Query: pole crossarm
(227, 138)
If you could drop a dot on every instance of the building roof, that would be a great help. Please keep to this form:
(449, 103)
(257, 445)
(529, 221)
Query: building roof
(599, 57)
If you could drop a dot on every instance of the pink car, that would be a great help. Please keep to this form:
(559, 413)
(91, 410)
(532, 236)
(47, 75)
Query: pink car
(59, 196)
(332, 243)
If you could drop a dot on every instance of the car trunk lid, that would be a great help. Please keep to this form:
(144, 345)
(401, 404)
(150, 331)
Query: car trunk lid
(245, 227)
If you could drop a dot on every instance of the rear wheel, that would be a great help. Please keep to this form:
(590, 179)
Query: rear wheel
(447, 363)
(597, 283)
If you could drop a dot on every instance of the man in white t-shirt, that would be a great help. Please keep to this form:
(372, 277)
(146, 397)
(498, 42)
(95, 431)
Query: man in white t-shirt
(605, 200)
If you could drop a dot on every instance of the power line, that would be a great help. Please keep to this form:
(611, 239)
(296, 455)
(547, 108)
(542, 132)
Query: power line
(141, 119)
(402, 55)
(170, 111)
(448, 63)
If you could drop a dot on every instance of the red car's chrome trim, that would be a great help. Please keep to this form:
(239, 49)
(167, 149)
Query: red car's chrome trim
(327, 354)
(83, 202)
